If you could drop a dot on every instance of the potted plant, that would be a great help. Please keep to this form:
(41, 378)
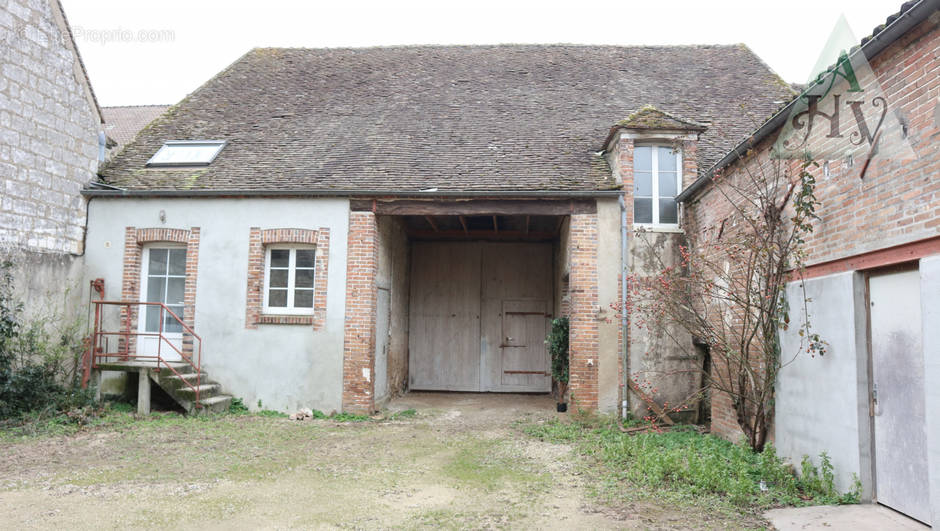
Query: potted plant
(557, 342)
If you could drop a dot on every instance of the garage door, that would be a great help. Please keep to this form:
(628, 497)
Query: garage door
(479, 316)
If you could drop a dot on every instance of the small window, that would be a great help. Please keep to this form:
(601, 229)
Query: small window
(187, 153)
(657, 178)
(288, 279)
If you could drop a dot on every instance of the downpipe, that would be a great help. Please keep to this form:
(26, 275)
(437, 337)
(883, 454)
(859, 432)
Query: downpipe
(624, 268)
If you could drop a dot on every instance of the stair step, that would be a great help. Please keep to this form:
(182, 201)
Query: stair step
(202, 388)
(190, 378)
(215, 404)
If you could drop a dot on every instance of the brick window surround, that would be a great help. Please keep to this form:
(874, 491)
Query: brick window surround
(257, 241)
(134, 241)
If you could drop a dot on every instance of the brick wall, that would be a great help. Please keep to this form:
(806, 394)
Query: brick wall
(48, 133)
(257, 240)
(897, 200)
(359, 334)
(582, 288)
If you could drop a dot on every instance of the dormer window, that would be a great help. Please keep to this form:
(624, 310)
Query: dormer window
(187, 153)
(657, 179)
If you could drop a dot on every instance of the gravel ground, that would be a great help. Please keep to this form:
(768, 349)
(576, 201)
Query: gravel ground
(459, 463)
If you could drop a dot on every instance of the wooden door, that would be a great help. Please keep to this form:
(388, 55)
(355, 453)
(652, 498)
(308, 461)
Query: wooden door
(517, 285)
(383, 316)
(162, 279)
(524, 359)
(444, 338)
(898, 394)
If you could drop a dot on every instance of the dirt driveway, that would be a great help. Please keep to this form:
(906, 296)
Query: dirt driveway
(459, 463)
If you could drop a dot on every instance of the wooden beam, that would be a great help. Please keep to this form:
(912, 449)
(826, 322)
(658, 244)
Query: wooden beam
(495, 225)
(463, 223)
(526, 231)
(433, 225)
(476, 207)
(506, 235)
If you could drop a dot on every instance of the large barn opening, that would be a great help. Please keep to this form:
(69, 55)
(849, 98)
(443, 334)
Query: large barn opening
(466, 294)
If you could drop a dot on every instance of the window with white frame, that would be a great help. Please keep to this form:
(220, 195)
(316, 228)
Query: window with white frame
(288, 279)
(657, 179)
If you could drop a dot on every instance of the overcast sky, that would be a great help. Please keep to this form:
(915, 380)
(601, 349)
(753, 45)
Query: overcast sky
(150, 52)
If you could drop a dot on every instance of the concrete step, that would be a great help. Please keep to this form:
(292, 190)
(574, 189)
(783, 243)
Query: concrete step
(205, 391)
(177, 382)
(215, 404)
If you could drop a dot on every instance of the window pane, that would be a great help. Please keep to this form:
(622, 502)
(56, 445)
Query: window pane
(642, 158)
(278, 278)
(157, 265)
(153, 319)
(667, 184)
(303, 278)
(642, 184)
(170, 324)
(280, 257)
(277, 298)
(668, 213)
(156, 289)
(306, 257)
(303, 298)
(667, 159)
(642, 210)
(174, 290)
(177, 261)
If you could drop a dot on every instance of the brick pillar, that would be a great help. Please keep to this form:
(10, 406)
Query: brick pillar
(359, 337)
(582, 285)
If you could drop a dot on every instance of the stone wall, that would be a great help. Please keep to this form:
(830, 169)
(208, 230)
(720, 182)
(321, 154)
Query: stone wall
(48, 133)
(48, 152)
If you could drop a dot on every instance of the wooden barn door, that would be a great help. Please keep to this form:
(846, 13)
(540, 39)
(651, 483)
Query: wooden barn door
(479, 316)
(444, 339)
(517, 290)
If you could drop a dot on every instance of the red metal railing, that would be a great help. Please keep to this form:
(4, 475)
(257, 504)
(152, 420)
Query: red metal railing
(128, 346)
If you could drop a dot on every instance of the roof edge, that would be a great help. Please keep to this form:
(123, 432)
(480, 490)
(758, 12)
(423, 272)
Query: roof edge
(58, 13)
(904, 22)
(533, 194)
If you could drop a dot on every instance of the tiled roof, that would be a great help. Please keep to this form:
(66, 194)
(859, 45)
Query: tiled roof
(123, 123)
(455, 118)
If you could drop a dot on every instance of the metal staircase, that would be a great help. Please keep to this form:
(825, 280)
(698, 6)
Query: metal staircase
(175, 366)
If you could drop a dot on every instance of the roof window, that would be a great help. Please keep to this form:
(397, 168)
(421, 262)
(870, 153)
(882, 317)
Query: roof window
(187, 153)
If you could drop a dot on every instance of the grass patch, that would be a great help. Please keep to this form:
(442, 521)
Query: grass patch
(684, 465)
(484, 465)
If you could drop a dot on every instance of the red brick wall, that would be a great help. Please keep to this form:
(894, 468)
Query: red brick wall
(582, 287)
(359, 336)
(895, 203)
(257, 240)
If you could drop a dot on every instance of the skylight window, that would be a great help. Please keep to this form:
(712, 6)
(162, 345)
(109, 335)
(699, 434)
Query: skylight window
(187, 153)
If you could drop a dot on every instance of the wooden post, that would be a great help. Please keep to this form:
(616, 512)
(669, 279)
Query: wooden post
(143, 392)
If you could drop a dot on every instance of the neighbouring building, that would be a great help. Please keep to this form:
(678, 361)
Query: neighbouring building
(122, 123)
(872, 402)
(51, 142)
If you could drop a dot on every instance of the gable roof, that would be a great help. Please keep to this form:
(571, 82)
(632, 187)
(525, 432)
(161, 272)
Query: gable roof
(649, 117)
(397, 120)
(124, 122)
